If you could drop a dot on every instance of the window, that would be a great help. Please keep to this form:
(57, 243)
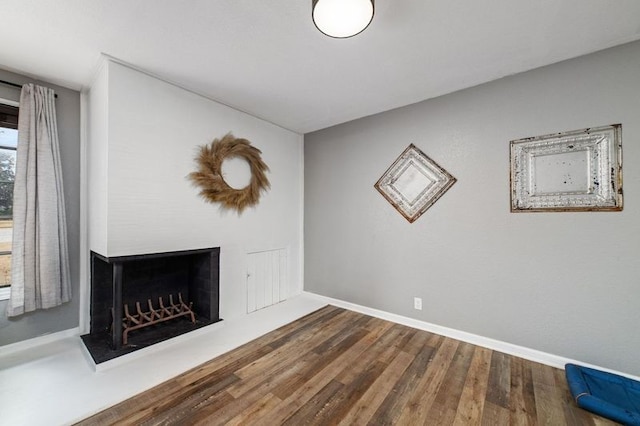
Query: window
(8, 145)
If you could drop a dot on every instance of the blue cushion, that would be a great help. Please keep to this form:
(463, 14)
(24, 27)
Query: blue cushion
(606, 394)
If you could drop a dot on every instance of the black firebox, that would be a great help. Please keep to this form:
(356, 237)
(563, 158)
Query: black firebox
(140, 300)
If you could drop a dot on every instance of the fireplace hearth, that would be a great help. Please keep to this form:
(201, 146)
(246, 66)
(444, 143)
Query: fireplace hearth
(140, 300)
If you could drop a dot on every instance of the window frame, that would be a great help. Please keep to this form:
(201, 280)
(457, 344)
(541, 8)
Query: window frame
(10, 108)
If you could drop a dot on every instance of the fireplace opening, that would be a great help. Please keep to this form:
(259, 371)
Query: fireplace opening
(140, 300)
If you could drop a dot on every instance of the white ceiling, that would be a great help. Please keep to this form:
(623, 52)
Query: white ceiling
(266, 57)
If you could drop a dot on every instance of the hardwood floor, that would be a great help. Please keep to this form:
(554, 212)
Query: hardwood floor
(338, 367)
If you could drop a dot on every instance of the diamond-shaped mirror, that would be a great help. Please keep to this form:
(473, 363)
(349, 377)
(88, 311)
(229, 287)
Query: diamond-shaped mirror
(413, 183)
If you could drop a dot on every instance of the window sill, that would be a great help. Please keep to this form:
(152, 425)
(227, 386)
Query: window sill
(4, 293)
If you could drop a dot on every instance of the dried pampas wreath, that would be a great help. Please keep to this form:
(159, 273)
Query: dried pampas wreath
(213, 187)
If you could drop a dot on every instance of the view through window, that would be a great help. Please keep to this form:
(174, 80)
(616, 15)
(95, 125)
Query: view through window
(8, 145)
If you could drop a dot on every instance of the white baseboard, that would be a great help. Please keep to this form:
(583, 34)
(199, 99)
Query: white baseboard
(38, 341)
(486, 342)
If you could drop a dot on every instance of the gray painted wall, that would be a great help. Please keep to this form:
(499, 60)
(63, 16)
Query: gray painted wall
(563, 283)
(63, 317)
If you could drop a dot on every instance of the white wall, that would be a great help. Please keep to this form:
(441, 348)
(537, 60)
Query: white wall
(154, 129)
(98, 158)
(563, 283)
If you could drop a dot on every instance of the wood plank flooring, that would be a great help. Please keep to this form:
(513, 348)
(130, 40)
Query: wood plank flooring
(338, 367)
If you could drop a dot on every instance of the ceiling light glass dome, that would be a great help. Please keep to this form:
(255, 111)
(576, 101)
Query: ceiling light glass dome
(342, 18)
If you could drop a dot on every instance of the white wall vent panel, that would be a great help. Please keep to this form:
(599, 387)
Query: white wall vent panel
(267, 278)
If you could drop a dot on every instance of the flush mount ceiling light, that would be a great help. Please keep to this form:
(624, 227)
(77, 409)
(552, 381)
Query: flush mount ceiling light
(342, 18)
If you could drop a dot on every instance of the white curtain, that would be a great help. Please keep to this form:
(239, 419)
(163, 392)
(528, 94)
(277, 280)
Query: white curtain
(40, 259)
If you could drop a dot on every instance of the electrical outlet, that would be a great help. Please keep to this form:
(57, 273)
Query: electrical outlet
(417, 303)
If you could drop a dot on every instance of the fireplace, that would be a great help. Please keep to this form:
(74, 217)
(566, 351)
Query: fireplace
(140, 300)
